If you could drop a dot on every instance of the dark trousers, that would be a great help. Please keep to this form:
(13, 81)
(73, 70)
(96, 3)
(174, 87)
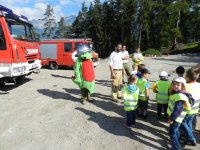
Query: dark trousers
(130, 118)
(161, 107)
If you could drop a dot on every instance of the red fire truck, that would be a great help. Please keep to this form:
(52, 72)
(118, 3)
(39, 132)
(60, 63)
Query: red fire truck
(19, 47)
(61, 52)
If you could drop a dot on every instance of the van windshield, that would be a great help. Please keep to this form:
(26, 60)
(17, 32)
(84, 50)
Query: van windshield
(21, 31)
(90, 45)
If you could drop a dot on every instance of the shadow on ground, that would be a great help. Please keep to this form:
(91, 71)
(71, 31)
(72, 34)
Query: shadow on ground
(59, 76)
(59, 95)
(182, 59)
(114, 125)
(4, 89)
(103, 82)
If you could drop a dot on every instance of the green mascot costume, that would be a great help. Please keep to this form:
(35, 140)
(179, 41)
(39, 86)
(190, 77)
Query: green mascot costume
(84, 73)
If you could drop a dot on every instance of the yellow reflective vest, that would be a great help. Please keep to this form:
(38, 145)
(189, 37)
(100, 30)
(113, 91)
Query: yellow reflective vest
(130, 99)
(162, 97)
(141, 83)
(172, 100)
(194, 89)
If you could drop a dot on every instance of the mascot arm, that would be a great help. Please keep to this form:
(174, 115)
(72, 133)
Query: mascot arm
(77, 70)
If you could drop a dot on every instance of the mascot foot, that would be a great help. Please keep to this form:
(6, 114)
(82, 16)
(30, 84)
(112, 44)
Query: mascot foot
(89, 98)
(83, 100)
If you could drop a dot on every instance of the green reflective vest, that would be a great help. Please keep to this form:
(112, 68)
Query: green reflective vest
(162, 97)
(193, 88)
(130, 100)
(141, 83)
(172, 100)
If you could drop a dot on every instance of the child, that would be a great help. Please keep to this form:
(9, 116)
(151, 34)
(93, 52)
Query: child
(180, 71)
(162, 87)
(135, 70)
(130, 94)
(192, 87)
(140, 68)
(143, 85)
(178, 103)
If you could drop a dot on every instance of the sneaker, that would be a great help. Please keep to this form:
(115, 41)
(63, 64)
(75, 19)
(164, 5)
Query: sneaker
(128, 127)
(140, 115)
(115, 99)
(133, 126)
(191, 143)
(159, 118)
(145, 117)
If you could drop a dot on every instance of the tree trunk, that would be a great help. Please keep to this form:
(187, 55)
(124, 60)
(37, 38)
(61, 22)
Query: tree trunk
(140, 35)
(177, 25)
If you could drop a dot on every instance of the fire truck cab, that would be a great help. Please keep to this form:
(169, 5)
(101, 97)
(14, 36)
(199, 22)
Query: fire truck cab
(61, 52)
(19, 47)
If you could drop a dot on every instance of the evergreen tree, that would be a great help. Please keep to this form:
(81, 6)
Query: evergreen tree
(147, 24)
(49, 22)
(61, 27)
(194, 21)
(79, 26)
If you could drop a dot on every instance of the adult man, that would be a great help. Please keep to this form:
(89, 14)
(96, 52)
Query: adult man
(125, 57)
(116, 68)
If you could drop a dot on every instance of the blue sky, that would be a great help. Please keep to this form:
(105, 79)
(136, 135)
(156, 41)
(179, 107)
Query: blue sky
(34, 9)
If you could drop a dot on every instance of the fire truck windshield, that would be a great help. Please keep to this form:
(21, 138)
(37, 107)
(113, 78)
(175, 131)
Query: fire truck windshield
(20, 30)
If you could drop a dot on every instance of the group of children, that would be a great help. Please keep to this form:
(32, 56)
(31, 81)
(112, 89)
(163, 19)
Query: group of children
(179, 99)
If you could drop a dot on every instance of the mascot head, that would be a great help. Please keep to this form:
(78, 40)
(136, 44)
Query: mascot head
(83, 52)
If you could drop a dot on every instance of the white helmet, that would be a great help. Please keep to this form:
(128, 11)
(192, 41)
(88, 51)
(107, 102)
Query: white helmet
(180, 80)
(163, 74)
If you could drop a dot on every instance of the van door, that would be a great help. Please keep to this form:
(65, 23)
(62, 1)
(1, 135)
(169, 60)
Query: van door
(67, 55)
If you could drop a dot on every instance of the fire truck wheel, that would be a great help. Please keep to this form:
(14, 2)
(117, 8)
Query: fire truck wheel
(53, 65)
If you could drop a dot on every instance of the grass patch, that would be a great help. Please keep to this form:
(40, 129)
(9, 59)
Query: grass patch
(187, 48)
(152, 52)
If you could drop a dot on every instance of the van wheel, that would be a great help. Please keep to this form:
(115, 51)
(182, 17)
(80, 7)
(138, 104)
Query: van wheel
(53, 65)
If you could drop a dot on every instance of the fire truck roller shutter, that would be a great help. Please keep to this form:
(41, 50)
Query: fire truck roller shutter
(48, 51)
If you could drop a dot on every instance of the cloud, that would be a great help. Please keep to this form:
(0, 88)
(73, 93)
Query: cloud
(75, 2)
(14, 2)
(65, 2)
(35, 9)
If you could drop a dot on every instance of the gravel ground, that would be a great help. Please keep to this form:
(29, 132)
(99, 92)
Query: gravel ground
(44, 113)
